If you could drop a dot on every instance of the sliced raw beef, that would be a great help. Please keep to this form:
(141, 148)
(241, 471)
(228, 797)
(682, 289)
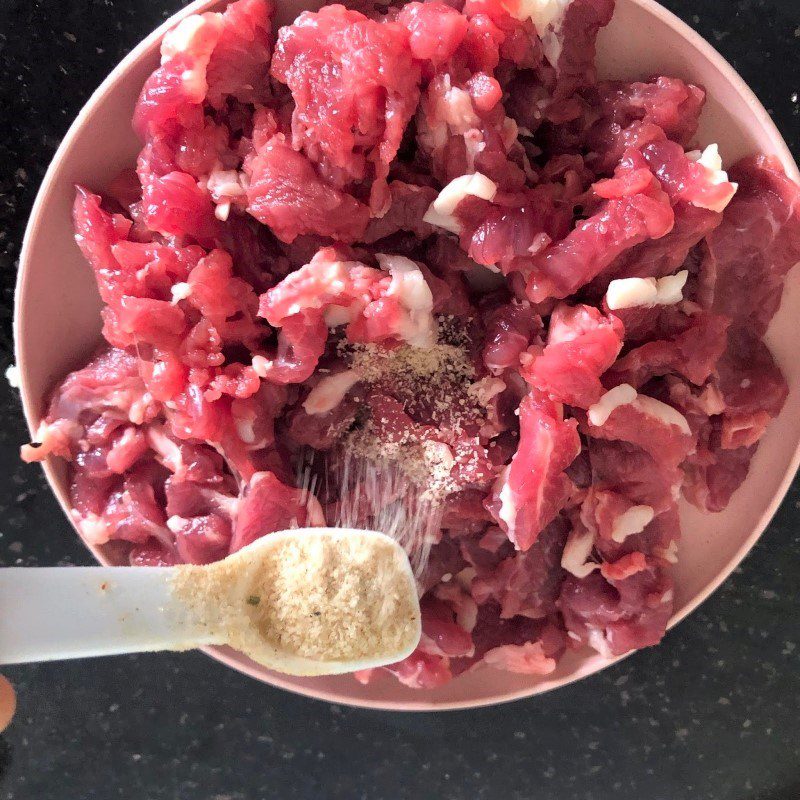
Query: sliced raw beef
(582, 344)
(636, 209)
(748, 255)
(286, 193)
(533, 488)
(268, 505)
(354, 83)
(691, 347)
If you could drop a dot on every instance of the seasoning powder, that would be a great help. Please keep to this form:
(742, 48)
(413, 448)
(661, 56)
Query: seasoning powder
(327, 598)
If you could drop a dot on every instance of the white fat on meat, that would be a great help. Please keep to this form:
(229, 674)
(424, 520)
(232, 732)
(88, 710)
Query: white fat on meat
(222, 183)
(441, 211)
(180, 291)
(599, 641)
(246, 429)
(668, 553)
(631, 292)
(168, 453)
(465, 577)
(634, 292)
(475, 184)
(575, 558)
(548, 17)
(712, 161)
(457, 111)
(509, 133)
(460, 600)
(508, 508)
(336, 275)
(663, 412)
(551, 45)
(339, 315)
(330, 391)
(139, 407)
(176, 523)
(614, 398)
(94, 529)
(186, 35)
(670, 288)
(450, 113)
(225, 188)
(261, 366)
(245, 421)
(475, 145)
(332, 277)
(197, 34)
(712, 401)
(409, 287)
(624, 395)
(632, 521)
(542, 13)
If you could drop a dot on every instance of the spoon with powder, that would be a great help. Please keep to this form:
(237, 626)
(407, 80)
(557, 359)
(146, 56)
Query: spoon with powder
(309, 601)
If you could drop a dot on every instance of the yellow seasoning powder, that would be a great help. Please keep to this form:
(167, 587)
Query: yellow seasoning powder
(327, 598)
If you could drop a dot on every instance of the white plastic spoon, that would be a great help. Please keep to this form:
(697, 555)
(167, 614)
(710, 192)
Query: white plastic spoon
(313, 601)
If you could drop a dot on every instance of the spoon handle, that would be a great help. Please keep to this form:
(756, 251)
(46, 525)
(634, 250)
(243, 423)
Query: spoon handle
(53, 613)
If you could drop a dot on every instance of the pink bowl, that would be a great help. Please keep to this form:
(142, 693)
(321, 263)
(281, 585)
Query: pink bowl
(57, 325)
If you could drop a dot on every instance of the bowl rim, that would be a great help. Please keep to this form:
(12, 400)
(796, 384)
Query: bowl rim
(230, 658)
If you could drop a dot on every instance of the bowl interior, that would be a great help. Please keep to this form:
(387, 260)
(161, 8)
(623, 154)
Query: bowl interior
(57, 322)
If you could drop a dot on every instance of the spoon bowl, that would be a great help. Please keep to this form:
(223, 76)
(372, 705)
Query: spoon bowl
(308, 601)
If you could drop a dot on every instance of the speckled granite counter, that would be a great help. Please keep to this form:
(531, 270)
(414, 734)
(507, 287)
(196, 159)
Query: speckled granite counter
(712, 713)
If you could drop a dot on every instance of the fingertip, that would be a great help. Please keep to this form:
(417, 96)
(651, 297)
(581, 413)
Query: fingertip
(8, 702)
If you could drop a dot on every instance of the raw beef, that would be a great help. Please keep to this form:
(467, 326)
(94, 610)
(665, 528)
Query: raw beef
(412, 267)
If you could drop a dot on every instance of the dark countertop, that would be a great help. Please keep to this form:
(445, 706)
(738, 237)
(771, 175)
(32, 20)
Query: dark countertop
(712, 713)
